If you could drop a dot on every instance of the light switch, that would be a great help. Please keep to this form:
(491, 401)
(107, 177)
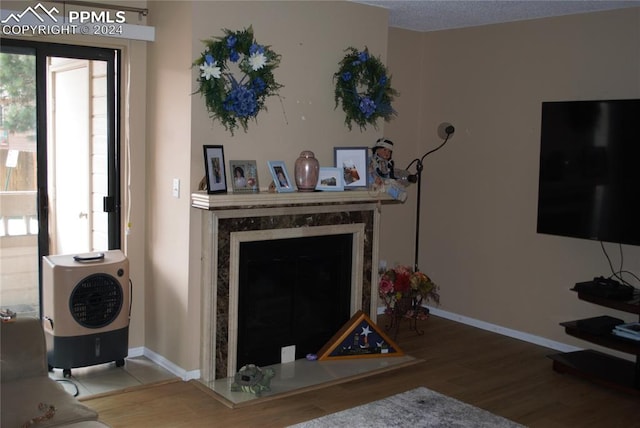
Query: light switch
(175, 188)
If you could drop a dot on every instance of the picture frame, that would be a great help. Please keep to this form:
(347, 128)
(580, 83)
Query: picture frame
(352, 161)
(214, 167)
(244, 176)
(330, 180)
(281, 177)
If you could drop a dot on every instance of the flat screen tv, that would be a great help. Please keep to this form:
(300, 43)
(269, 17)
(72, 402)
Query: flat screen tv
(589, 183)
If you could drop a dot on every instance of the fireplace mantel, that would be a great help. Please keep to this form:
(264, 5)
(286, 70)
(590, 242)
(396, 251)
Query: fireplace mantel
(203, 200)
(228, 219)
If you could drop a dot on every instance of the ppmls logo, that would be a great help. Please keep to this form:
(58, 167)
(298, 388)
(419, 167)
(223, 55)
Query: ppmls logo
(33, 11)
(39, 20)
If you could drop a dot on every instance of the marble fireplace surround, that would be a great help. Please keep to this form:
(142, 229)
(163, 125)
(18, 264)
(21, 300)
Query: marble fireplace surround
(230, 219)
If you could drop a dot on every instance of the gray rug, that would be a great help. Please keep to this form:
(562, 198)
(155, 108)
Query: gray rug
(418, 407)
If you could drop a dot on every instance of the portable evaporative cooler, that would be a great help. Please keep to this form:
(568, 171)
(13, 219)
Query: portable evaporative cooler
(86, 308)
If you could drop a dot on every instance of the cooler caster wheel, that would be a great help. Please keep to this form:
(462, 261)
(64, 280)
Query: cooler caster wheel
(119, 363)
(66, 372)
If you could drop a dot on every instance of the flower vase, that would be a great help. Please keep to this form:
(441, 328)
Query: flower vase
(307, 169)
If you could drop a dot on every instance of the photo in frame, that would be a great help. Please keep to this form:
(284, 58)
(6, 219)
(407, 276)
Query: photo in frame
(244, 176)
(215, 170)
(330, 180)
(281, 177)
(352, 161)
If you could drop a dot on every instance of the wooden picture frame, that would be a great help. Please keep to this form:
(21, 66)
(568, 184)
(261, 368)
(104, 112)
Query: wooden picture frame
(214, 167)
(360, 337)
(281, 177)
(353, 161)
(330, 180)
(244, 176)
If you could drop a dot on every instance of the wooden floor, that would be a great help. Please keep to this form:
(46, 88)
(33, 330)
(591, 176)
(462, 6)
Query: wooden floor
(505, 376)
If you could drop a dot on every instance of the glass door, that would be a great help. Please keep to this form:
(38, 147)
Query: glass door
(60, 159)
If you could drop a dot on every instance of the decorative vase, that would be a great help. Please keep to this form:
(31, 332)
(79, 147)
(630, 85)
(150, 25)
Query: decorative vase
(306, 171)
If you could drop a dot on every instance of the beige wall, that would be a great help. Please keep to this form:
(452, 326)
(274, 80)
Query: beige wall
(169, 156)
(479, 239)
(302, 118)
(397, 229)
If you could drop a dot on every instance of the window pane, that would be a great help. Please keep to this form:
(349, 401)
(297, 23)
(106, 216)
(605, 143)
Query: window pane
(18, 167)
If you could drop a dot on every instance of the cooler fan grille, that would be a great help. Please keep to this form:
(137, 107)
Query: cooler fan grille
(96, 301)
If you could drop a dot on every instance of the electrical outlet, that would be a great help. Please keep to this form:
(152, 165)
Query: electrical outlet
(288, 354)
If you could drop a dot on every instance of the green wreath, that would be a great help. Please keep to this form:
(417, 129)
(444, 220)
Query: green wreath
(363, 86)
(229, 100)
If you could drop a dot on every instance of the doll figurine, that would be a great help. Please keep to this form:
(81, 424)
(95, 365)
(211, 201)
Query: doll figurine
(381, 170)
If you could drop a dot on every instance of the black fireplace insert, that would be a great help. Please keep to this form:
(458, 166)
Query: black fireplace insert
(293, 291)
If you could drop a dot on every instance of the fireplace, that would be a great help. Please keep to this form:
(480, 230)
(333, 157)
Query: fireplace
(294, 291)
(231, 222)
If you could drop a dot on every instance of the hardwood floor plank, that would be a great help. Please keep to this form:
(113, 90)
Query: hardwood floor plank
(503, 375)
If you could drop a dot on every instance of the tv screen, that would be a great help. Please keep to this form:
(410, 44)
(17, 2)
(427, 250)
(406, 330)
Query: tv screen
(589, 183)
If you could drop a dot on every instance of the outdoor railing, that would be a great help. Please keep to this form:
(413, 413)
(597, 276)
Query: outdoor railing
(18, 214)
(19, 252)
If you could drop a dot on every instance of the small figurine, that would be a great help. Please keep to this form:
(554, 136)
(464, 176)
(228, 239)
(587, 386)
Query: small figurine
(253, 379)
(7, 315)
(381, 170)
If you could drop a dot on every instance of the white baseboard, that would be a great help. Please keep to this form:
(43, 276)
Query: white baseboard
(164, 363)
(531, 338)
(136, 352)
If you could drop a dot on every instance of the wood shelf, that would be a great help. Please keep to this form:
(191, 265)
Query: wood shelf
(607, 340)
(599, 367)
(631, 306)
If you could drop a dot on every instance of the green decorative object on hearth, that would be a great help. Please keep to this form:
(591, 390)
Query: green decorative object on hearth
(253, 379)
(236, 77)
(363, 88)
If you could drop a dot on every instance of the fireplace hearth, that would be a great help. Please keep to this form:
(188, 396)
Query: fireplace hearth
(231, 222)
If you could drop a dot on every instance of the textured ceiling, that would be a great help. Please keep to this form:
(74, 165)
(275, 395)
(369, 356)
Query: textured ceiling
(433, 15)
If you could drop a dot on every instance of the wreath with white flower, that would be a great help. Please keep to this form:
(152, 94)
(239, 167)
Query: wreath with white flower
(363, 87)
(231, 98)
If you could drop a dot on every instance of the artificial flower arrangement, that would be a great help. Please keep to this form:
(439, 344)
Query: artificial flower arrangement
(363, 87)
(403, 291)
(231, 98)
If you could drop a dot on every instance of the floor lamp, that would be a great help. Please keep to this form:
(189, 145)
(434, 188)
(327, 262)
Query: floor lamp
(448, 130)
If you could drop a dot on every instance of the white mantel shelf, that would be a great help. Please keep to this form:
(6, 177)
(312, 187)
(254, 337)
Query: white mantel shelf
(225, 201)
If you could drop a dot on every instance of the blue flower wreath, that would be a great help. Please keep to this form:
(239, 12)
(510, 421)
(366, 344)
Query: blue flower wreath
(229, 100)
(363, 86)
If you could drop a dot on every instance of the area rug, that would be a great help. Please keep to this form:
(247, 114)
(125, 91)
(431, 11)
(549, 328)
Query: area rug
(418, 407)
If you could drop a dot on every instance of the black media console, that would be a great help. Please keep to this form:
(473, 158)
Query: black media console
(597, 366)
